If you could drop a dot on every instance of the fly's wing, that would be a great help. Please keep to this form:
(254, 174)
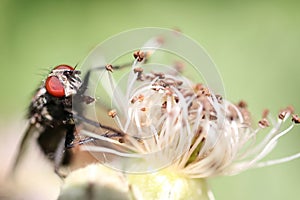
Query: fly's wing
(52, 143)
(48, 142)
(29, 136)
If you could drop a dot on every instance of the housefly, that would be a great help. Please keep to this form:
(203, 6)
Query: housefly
(52, 118)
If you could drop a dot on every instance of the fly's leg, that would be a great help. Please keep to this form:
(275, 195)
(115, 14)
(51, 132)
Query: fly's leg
(81, 142)
(61, 156)
(80, 96)
(86, 78)
(58, 158)
(114, 132)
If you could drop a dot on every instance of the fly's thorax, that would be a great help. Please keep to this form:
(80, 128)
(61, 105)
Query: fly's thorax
(46, 110)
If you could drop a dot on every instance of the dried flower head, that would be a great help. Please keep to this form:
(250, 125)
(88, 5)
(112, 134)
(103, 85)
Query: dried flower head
(170, 120)
(167, 120)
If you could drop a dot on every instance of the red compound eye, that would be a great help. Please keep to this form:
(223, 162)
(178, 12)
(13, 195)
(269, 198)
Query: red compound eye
(64, 67)
(54, 87)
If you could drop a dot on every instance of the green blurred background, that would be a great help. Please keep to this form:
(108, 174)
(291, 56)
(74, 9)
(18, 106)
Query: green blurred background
(255, 45)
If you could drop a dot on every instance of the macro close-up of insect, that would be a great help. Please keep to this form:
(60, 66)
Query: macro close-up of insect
(57, 112)
(163, 111)
(51, 115)
(142, 100)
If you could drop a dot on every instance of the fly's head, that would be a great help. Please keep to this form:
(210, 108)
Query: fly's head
(52, 103)
(63, 81)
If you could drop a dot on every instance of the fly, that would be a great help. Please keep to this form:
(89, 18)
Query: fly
(52, 118)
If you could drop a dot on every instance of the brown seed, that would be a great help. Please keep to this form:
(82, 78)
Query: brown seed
(296, 119)
(144, 109)
(162, 83)
(284, 112)
(112, 113)
(121, 140)
(156, 88)
(179, 83)
(176, 98)
(219, 98)
(282, 115)
(134, 99)
(242, 104)
(212, 117)
(264, 123)
(139, 55)
(199, 86)
(136, 54)
(141, 97)
(109, 68)
(206, 92)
